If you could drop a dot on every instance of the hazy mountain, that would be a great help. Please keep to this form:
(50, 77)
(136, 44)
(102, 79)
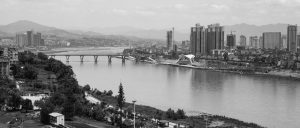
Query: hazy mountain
(4, 34)
(141, 33)
(254, 30)
(24, 25)
(131, 32)
(238, 29)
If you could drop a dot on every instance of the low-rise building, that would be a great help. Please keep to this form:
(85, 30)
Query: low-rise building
(57, 119)
(4, 66)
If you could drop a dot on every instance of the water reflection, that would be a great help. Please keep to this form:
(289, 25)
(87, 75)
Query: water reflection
(265, 100)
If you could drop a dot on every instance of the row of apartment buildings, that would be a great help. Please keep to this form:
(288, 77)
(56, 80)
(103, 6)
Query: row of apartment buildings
(274, 40)
(8, 55)
(29, 39)
(205, 40)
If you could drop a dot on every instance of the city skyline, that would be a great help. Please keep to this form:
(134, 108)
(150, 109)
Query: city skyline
(79, 14)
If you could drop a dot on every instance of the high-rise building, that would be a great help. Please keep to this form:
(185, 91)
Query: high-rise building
(37, 39)
(42, 42)
(292, 38)
(298, 40)
(283, 42)
(21, 39)
(30, 38)
(243, 40)
(203, 41)
(231, 41)
(170, 39)
(271, 40)
(254, 41)
(214, 37)
(260, 42)
(198, 42)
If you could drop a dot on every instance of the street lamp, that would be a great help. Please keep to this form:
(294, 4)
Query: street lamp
(133, 113)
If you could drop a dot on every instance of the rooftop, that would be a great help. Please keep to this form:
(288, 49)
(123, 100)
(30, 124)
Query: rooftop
(55, 114)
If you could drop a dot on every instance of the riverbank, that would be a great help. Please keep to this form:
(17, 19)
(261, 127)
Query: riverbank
(151, 116)
(289, 74)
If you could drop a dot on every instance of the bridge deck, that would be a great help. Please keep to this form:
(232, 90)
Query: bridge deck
(84, 54)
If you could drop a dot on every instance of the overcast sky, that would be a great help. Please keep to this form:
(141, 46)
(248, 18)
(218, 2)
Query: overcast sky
(82, 14)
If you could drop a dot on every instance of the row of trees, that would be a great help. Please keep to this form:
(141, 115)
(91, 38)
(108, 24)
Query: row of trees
(179, 114)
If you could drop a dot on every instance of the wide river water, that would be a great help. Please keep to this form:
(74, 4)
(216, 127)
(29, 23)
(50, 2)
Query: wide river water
(268, 101)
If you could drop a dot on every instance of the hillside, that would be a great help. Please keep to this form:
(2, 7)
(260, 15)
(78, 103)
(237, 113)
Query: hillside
(131, 33)
(141, 33)
(24, 25)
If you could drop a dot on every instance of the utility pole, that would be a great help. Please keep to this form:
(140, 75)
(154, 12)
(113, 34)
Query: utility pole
(133, 113)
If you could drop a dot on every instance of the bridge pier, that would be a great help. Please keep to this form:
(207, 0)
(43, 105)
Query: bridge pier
(109, 59)
(67, 58)
(96, 59)
(81, 58)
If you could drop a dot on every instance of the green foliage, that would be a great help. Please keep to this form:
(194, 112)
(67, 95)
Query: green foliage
(86, 88)
(24, 72)
(8, 92)
(42, 56)
(46, 108)
(30, 72)
(158, 115)
(14, 99)
(109, 93)
(99, 113)
(57, 99)
(180, 114)
(121, 97)
(26, 57)
(225, 56)
(68, 97)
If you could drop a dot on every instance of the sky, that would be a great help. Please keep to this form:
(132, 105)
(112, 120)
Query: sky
(149, 14)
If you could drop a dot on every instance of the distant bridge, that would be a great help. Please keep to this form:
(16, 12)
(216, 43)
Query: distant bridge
(109, 56)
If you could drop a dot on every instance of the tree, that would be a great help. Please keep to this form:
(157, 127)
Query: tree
(121, 97)
(158, 115)
(98, 113)
(30, 72)
(180, 114)
(86, 88)
(109, 93)
(121, 103)
(14, 98)
(225, 56)
(42, 56)
(46, 108)
(170, 114)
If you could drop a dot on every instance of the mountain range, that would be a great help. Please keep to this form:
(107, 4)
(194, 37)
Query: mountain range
(238, 29)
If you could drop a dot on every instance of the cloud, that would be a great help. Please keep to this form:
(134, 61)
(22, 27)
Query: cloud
(145, 13)
(120, 11)
(220, 6)
(180, 6)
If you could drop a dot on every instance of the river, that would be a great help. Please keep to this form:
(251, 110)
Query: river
(267, 101)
